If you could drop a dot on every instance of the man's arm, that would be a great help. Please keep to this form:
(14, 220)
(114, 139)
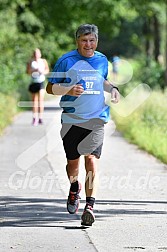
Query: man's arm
(58, 89)
(114, 91)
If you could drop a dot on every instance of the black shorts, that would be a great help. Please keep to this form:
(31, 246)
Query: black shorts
(83, 139)
(35, 87)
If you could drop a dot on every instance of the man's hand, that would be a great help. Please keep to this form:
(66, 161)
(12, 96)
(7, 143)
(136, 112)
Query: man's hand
(115, 95)
(56, 89)
(77, 90)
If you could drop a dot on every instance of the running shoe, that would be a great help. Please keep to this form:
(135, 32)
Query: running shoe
(73, 201)
(40, 121)
(34, 122)
(87, 217)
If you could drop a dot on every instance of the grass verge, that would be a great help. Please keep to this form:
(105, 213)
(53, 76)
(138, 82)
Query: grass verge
(147, 125)
(8, 108)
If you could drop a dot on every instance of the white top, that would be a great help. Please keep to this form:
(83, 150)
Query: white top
(38, 76)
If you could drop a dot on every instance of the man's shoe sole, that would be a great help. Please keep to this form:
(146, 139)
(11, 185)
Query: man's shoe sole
(87, 218)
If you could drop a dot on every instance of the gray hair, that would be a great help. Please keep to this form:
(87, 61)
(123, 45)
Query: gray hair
(86, 29)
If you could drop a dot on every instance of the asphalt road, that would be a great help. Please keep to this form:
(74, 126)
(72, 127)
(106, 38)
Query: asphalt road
(131, 205)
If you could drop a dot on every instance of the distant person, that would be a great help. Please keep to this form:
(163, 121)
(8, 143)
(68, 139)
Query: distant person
(37, 67)
(84, 113)
(115, 66)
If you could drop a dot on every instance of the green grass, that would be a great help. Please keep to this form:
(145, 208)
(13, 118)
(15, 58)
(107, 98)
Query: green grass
(147, 125)
(8, 108)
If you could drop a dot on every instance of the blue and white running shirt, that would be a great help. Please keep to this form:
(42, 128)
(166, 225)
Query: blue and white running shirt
(72, 68)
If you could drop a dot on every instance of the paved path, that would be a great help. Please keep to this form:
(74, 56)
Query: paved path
(131, 206)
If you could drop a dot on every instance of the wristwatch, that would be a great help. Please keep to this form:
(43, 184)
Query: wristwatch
(113, 87)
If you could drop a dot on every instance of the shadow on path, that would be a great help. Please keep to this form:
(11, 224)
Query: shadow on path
(33, 212)
(132, 207)
(42, 212)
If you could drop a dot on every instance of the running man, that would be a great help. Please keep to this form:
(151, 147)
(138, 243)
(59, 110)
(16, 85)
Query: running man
(80, 77)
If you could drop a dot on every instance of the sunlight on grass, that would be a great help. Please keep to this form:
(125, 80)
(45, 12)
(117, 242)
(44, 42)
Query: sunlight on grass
(8, 108)
(147, 125)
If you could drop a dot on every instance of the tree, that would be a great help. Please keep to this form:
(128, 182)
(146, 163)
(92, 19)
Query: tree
(27, 24)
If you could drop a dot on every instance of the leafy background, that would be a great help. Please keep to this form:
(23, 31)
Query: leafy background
(135, 30)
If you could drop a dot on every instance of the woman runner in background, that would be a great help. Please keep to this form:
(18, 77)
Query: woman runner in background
(37, 67)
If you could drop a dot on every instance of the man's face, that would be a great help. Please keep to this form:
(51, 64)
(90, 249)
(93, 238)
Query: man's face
(87, 44)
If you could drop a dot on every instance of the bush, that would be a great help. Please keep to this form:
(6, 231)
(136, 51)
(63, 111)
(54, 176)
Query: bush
(153, 75)
(8, 108)
(147, 126)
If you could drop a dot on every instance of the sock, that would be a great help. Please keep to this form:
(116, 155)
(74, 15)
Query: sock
(40, 116)
(90, 201)
(74, 186)
(35, 115)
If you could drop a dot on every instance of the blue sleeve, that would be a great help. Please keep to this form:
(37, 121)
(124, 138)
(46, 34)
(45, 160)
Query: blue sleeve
(58, 74)
(61, 74)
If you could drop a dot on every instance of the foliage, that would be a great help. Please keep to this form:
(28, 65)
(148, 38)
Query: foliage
(147, 126)
(7, 110)
(27, 24)
(153, 76)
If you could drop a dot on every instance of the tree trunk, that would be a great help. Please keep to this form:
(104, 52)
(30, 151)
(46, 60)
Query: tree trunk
(166, 50)
(146, 32)
(156, 37)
